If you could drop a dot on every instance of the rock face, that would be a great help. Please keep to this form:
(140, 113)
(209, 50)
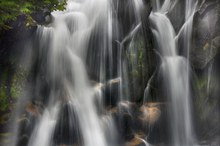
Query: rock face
(123, 117)
(154, 115)
(147, 122)
(204, 57)
(27, 122)
(111, 92)
(136, 63)
(150, 114)
(133, 123)
(43, 17)
(67, 128)
(205, 43)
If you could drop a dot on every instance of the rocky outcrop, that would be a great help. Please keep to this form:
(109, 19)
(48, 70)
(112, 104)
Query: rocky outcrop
(204, 57)
(27, 121)
(147, 122)
(43, 17)
(205, 45)
(67, 130)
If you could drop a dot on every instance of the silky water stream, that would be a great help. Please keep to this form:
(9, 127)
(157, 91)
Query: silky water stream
(82, 50)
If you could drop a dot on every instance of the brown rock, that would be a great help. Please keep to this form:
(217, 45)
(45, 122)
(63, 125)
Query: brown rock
(150, 113)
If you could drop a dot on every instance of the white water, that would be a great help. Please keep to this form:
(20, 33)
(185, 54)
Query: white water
(175, 69)
(63, 48)
(68, 38)
(43, 132)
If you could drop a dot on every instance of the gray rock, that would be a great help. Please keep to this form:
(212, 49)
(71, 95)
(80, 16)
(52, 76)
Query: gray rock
(205, 43)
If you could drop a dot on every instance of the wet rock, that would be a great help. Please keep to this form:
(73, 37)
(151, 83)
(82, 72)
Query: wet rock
(24, 125)
(154, 116)
(147, 119)
(216, 42)
(125, 128)
(27, 122)
(150, 114)
(43, 17)
(206, 6)
(138, 64)
(34, 108)
(207, 95)
(5, 138)
(136, 141)
(4, 120)
(67, 131)
(124, 120)
(202, 57)
(110, 91)
(47, 16)
(23, 140)
(205, 44)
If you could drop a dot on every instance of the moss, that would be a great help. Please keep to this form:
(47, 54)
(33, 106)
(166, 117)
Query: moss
(4, 118)
(136, 63)
(10, 9)
(3, 95)
(16, 85)
(3, 100)
(4, 138)
(14, 88)
(135, 73)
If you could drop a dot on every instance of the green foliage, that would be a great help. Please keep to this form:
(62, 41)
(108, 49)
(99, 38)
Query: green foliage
(3, 96)
(15, 88)
(136, 63)
(3, 99)
(10, 9)
(5, 138)
(135, 56)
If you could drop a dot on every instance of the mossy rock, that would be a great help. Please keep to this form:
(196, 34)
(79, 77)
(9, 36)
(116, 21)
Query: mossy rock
(4, 138)
(4, 118)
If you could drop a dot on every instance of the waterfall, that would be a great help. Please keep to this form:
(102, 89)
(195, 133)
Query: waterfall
(71, 114)
(175, 68)
(81, 76)
(71, 30)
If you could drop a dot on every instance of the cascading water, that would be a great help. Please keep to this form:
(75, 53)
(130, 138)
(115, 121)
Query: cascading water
(89, 37)
(175, 68)
(62, 57)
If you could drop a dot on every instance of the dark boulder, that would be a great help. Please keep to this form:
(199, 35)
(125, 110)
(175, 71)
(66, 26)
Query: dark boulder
(67, 129)
(111, 92)
(125, 119)
(27, 122)
(43, 17)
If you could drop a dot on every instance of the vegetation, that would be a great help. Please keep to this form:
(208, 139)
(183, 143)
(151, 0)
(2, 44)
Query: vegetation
(136, 59)
(10, 9)
(10, 90)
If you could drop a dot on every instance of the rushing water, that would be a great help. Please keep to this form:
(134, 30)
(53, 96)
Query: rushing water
(84, 44)
(175, 68)
(62, 51)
